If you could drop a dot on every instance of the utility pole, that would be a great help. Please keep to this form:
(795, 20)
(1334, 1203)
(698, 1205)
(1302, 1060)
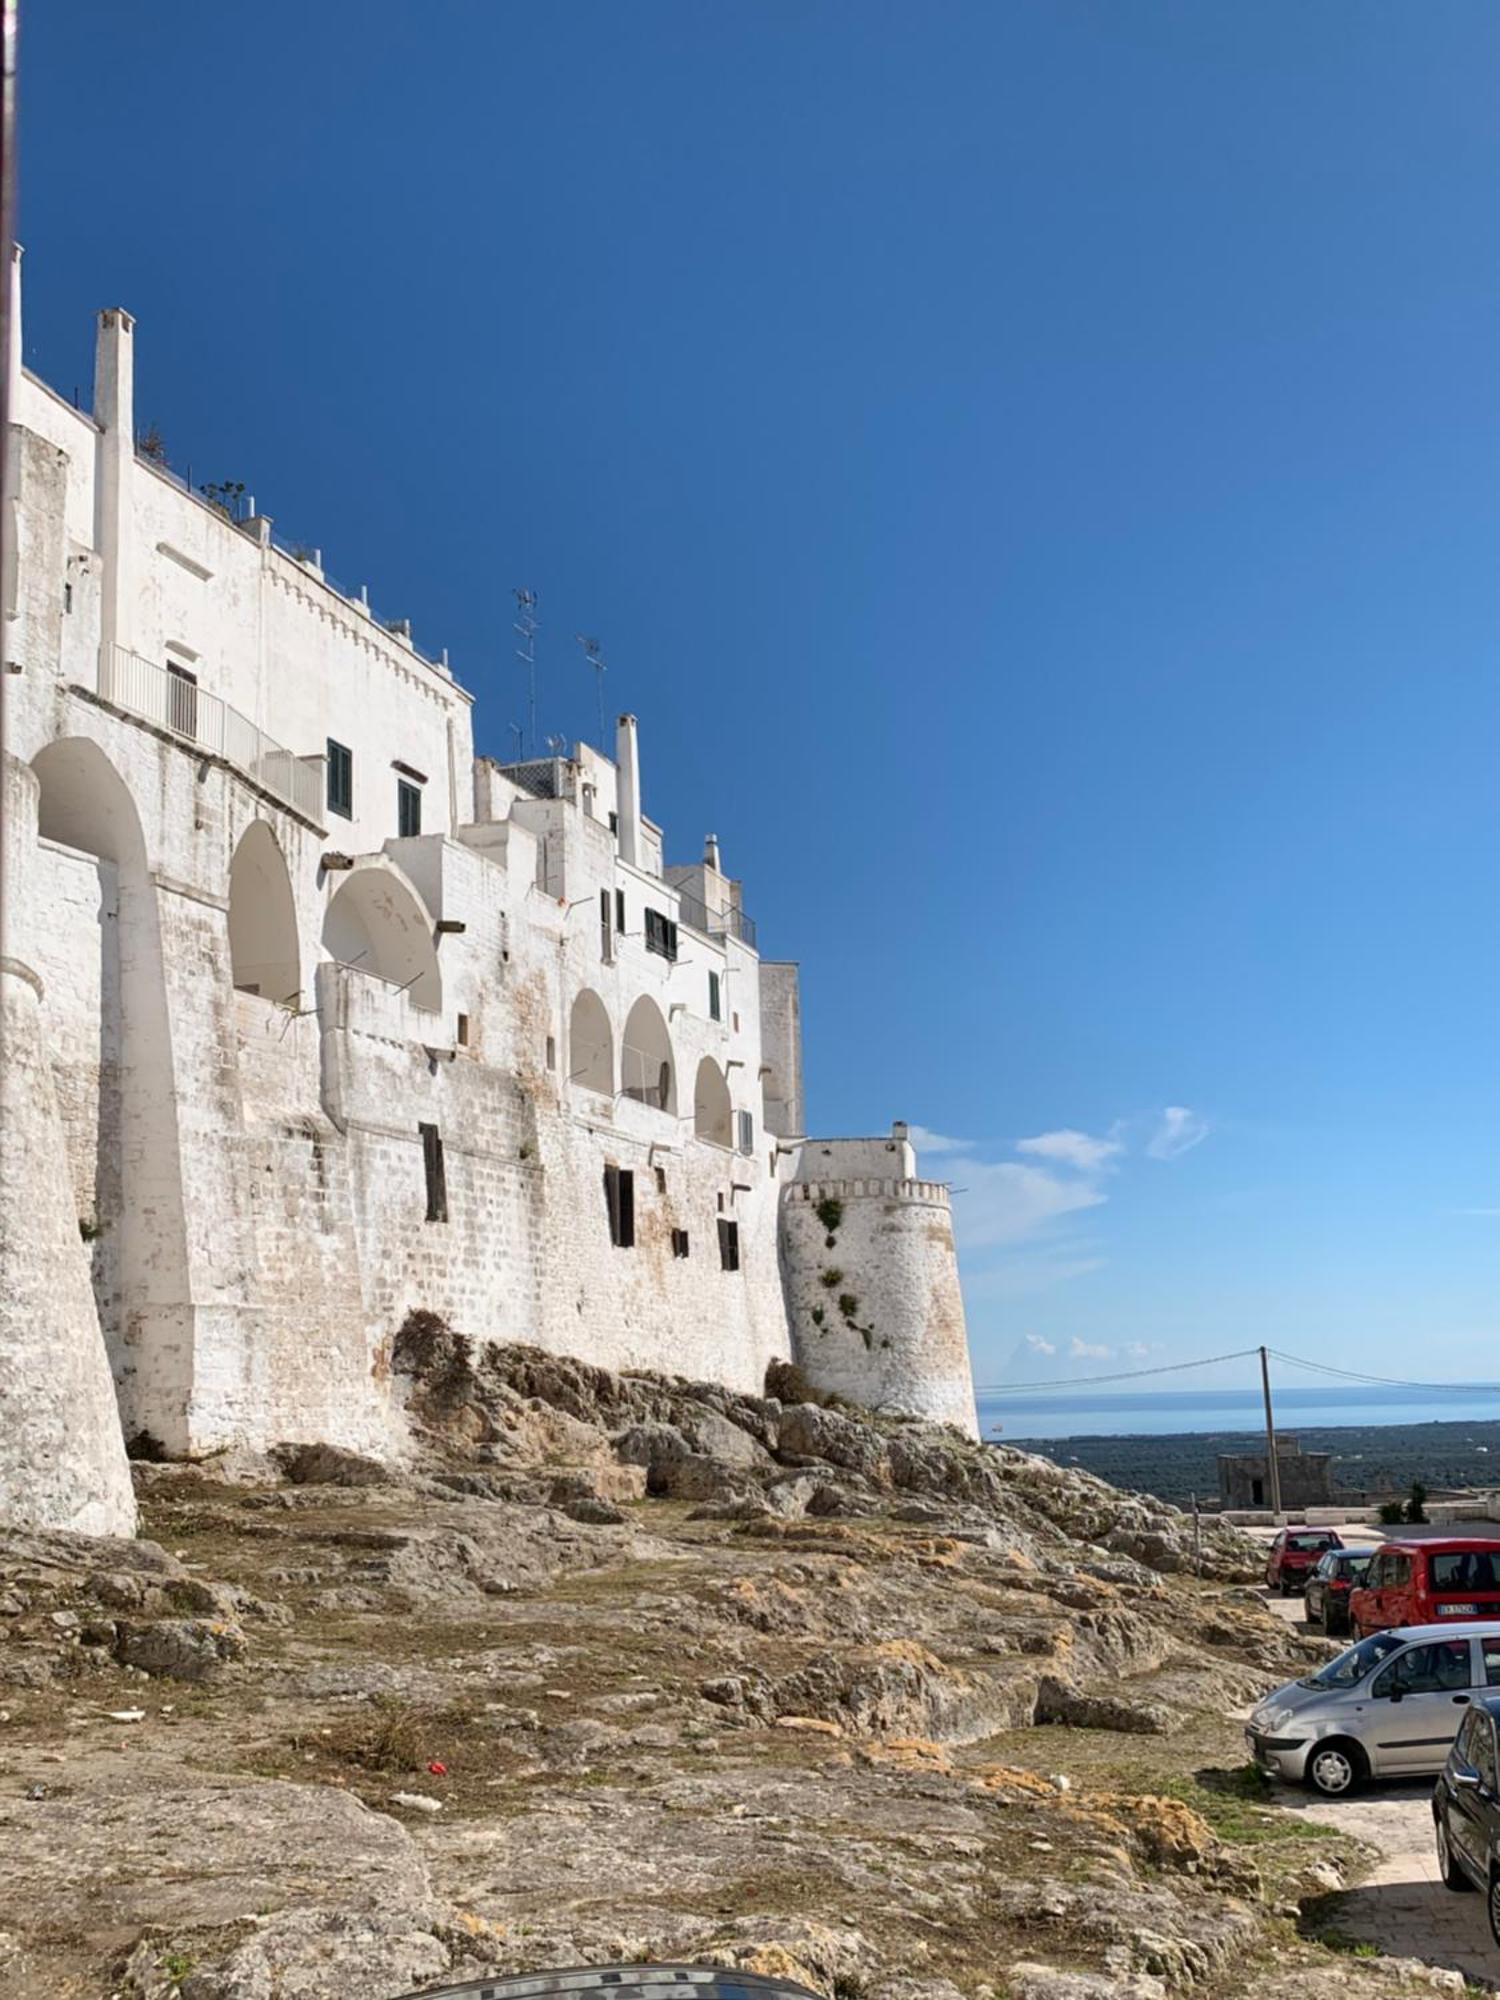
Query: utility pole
(526, 628)
(1272, 1467)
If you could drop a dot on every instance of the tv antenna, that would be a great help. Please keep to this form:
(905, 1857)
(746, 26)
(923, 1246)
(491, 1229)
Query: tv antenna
(526, 628)
(593, 653)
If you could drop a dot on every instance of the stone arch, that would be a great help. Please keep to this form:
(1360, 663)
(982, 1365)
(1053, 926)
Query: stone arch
(591, 1045)
(648, 1073)
(377, 922)
(85, 804)
(713, 1115)
(263, 948)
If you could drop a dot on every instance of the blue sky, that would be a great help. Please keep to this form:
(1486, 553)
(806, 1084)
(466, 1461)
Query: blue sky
(1033, 470)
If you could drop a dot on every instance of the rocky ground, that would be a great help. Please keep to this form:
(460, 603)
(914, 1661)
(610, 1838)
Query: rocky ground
(619, 1667)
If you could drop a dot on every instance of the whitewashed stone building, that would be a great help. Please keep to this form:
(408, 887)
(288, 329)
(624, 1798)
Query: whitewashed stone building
(312, 1017)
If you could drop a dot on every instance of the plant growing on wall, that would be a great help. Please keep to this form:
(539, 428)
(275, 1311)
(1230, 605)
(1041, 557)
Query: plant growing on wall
(818, 1315)
(848, 1306)
(226, 497)
(830, 1212)
(831, 1277)
(150, 444)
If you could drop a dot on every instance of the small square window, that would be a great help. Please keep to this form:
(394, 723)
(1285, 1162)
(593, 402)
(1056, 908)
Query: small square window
(340, 780)
(408, 810)
(661, 934)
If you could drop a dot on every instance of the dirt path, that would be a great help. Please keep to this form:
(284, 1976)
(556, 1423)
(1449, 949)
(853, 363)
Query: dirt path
(1403, 1908)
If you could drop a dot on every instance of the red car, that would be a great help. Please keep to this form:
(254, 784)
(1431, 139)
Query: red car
(1428, 1580)
(1295, 1554)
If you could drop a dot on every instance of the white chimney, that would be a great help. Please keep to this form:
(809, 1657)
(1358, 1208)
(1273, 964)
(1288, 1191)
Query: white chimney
(628, 808)
(114, 412)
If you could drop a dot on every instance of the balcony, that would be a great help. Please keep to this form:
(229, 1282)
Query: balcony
(175, 702)
(714, 923)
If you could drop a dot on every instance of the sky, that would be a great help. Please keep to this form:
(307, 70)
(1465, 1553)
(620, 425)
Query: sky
(1031, 467)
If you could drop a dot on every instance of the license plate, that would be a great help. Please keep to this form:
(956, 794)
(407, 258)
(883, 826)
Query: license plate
(1458, 1611)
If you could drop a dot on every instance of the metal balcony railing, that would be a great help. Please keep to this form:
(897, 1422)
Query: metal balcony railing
(174, 701)
(714, 923)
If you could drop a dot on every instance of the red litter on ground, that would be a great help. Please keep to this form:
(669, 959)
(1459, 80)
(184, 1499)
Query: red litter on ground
(438, 1770)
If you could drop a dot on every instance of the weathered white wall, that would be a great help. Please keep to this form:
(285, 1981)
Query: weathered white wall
(873, 1295)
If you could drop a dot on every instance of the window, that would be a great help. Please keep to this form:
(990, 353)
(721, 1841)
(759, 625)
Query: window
(1435, 1669)
(340, 780)
(715, 998)
(620, 911)
(408, 810)
(437, 1177)
(1482, 1751)
(67, 597)
(182, 700)
(619, 1199)
(606, 929)
(1467, 1569)
(1491, 1662)
(729, 1244)
(661, 934)
(661, 1180)
(746, 1121)
(463, 1031)
(552, 1052)
(679, 1243)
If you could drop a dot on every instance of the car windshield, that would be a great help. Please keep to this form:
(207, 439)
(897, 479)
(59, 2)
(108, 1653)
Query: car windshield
(1350, 1668)
(1467, 1569)
(1309, 1541)
(1353, 1566)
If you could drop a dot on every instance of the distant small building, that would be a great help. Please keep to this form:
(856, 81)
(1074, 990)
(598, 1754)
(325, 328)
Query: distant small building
(1306, 1477)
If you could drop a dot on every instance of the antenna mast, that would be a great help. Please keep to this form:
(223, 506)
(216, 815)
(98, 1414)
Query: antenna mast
(526, 628)
(595, 657)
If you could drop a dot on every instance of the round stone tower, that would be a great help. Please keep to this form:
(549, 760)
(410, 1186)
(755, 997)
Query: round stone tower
(871, 1280)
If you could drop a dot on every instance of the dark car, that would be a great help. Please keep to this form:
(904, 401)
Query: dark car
(1328, 1587)
(1466, 1802)
(1294, 1554)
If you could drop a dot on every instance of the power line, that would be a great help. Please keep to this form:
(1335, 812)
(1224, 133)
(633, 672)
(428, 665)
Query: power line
(1129, 1375)
(1214, 1360)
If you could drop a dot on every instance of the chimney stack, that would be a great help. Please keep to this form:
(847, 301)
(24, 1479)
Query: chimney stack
(628, 810)
(711, 854)
(114, 412)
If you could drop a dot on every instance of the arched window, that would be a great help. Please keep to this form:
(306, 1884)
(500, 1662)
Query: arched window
(647, 1073)
(376, 922)
(591, 1045)
(713, 1117)
(263, 948)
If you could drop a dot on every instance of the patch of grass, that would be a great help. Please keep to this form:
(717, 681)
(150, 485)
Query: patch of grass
(392, 1736)
(1351, 1947)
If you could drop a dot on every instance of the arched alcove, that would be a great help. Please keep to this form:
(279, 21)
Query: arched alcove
(713, 1115)
(84, 803)
(263, 947)
(647, 1072)
(591, 1045)
(376, 921)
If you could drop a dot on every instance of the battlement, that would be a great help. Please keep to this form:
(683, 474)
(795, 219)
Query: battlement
(936, 1194)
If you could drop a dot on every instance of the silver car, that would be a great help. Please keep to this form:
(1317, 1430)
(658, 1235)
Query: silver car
(1388, 1707)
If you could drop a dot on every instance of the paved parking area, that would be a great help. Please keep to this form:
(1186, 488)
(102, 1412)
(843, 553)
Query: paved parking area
(1404, 1907)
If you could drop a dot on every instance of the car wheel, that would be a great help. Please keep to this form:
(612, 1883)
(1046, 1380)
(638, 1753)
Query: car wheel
(1336, 1768)
(1448, 1866)
(1494, 1901)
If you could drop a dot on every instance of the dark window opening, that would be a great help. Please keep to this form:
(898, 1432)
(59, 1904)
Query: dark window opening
(736, 1024)
(747, 1131)
(340, 780)
(619, 1199)
(606, 929)
(620, 910)
(552, 1052)
(661, 934)
(67, 597)
(679, 1243)
(614, 822)
(463, 1031)
(182, 700)
(436, 1172)
(661, 1180)
(408, 810)
(729, 1244)
(715, 1000)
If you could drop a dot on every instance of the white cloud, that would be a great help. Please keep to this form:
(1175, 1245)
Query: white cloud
(1087, 1350)
(1136, 1350)
(1068, 1148)
(1005, 1201)
(1039, 1346)
(935, 1142)
(1178, 1131)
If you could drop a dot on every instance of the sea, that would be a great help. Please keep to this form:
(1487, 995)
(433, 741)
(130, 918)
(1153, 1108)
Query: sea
(1023, 1416)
